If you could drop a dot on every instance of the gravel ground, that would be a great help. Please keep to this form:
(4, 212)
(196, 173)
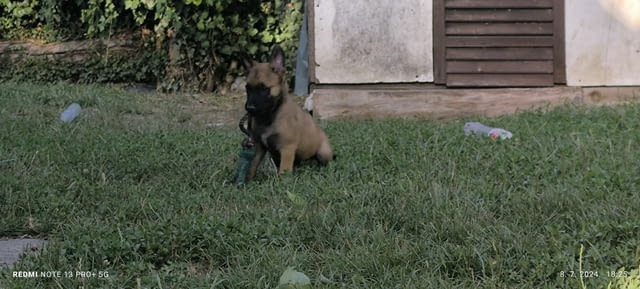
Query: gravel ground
(12, 249)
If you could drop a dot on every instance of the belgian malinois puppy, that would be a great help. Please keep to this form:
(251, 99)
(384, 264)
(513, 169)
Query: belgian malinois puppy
(277, 124)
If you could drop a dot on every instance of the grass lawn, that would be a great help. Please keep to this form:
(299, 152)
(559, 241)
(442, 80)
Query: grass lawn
(134, 188)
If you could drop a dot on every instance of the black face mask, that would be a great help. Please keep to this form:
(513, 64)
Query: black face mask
(260, 102)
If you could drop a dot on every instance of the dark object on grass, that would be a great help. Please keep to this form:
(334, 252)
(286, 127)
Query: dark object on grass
(244, 162)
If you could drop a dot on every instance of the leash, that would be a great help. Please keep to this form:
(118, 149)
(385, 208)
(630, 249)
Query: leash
(246, 154)
(243, 120)
(247, 142)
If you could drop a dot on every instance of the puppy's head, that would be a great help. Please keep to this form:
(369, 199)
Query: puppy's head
(265, 83)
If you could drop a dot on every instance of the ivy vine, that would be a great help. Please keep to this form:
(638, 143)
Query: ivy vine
(197, 41)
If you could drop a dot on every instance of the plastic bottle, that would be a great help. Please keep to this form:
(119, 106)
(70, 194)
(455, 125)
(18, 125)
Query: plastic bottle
(70, 113)
(479, 129)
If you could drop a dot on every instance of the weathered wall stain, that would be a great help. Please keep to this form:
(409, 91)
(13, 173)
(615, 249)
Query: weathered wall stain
(366, 42)
(363, 33)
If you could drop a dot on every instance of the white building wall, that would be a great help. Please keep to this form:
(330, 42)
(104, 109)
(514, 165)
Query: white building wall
(363, 41)
(602, 42)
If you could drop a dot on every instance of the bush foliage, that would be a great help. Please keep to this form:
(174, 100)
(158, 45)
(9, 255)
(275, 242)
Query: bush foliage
(196, 41)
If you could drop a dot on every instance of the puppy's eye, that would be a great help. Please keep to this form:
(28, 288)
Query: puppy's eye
(259, 90)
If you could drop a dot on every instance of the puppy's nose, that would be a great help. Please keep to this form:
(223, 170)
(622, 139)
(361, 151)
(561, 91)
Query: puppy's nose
(250, 107)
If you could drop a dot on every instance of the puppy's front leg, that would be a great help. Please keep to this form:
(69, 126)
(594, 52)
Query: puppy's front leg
(287, 156)
(257, 159)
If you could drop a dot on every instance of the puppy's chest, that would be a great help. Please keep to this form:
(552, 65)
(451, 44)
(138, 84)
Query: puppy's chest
(267, 136)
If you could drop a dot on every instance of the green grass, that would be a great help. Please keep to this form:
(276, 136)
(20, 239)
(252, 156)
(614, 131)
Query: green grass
(135, 190)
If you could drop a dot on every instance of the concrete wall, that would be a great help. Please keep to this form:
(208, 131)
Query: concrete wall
(603, 42)
(364, 41)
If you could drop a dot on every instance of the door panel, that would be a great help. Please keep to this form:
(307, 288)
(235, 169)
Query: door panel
(498, 43)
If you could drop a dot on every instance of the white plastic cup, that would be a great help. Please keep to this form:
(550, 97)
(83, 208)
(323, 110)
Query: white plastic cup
(70, 113)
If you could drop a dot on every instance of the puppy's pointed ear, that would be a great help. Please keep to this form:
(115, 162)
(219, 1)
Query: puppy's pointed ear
(277, 59)
(247, 61)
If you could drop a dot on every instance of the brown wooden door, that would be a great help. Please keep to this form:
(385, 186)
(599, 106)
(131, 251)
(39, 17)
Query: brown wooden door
(499, 43)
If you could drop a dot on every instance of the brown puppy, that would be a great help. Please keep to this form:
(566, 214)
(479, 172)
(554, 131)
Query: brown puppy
(277, 124)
